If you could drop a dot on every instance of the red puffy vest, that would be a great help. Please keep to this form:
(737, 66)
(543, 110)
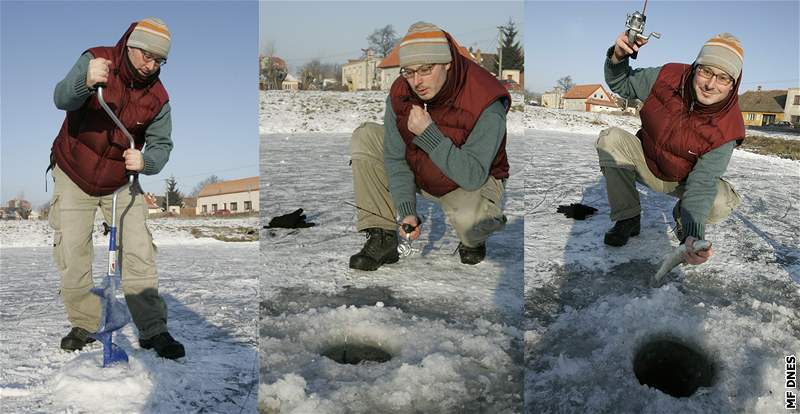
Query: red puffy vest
(467, 92)
(89, 146)
(676, 130)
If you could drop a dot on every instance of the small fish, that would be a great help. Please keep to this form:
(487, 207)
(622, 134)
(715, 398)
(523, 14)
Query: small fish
(675, 258)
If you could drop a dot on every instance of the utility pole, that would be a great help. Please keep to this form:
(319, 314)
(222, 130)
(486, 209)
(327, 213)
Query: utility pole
(167, 196)
(500, 53)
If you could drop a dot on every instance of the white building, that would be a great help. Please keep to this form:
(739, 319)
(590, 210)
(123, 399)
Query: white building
(791, 111)
(553, 99)
(362, 74)
(589, 98)
(290, 83)
(235, 196)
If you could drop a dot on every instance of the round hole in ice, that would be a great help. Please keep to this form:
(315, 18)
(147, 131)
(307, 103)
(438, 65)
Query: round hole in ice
(355, 353)
(673, 367)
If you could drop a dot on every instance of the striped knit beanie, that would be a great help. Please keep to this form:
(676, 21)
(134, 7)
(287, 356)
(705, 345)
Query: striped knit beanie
(725, 52)
(151, 34)
(424, 44)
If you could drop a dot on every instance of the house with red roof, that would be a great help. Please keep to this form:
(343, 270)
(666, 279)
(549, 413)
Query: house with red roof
(589, 98)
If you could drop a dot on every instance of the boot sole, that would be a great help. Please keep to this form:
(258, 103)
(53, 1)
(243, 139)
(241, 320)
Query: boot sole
(354, 264)
(612, 242)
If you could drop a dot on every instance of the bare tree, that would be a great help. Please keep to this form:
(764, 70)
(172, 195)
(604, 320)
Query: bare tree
(199, 187)
(382, 40)
(565, 83)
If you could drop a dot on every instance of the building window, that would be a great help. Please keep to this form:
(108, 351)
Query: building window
(205, 208)
(213, 208)
(751, 117)
(248, 206)
(234, 206)
(796, 119)
(796, 100)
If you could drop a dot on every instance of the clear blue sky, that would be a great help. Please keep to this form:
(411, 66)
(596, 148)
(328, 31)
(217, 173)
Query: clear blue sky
(335, 31)
(570, 38)
(211, 77)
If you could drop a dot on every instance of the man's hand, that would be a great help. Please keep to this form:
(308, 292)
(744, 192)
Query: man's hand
(412, 220)
(133, 160)
(695, 257)
(418, 120)
(97, 72)
(623, 49)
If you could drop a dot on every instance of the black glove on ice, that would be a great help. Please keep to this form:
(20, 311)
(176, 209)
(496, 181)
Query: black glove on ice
(293, 220)
(576, 211)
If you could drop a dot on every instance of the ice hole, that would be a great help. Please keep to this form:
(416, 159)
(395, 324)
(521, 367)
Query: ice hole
(354, 353)
(672, 367)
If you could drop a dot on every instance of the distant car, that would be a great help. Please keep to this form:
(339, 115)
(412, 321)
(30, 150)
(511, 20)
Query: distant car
(222, 213)
(511, 84)
(784, 124)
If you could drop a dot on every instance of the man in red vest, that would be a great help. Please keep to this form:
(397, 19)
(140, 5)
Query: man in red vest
(691, 122)
(443, 136)
(91, 158)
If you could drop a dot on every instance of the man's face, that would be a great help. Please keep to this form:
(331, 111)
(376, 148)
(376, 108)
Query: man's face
(426, 80)
(711, 85)
(144, 62)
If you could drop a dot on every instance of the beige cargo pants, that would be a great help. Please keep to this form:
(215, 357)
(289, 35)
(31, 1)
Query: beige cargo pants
(474, 215)
(622, 162)
(71, 216)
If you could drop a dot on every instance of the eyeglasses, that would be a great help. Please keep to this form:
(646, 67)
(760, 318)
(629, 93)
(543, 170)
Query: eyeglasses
(706, 73)
(149, 57)
(423, 70)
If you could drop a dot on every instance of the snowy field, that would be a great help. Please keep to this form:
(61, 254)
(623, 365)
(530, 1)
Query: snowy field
(338, 112)
(452, 330)
(541, 118)
(166, 231)
(588, 307)
(210, 288)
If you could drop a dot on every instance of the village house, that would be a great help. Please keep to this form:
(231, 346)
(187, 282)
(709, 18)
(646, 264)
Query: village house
(362, 74)
(761, 108)
(553, 99)
(290, 83)
(17, 209)
(589, 98)
(152, 203)
(791, 112)
(233, 196)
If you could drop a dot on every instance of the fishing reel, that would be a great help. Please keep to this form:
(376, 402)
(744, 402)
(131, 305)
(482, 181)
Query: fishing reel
(635, 28)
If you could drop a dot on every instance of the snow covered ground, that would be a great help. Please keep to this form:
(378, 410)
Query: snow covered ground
(338, 112)
(211, 292)
(166, 231)
(588, 307)
(452, 330)
(541, 118)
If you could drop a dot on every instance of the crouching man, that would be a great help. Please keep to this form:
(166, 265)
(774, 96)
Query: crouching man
(444, 137)
(691, 123)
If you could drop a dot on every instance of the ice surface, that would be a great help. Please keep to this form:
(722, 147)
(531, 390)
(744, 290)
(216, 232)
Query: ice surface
(452, 328)
(211, 295)
(588, 307)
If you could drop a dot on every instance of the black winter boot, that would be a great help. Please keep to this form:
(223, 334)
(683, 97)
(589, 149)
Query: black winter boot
(165, 345)
(76, 339)
(380, 249)
(472, 255)
(622, 230)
